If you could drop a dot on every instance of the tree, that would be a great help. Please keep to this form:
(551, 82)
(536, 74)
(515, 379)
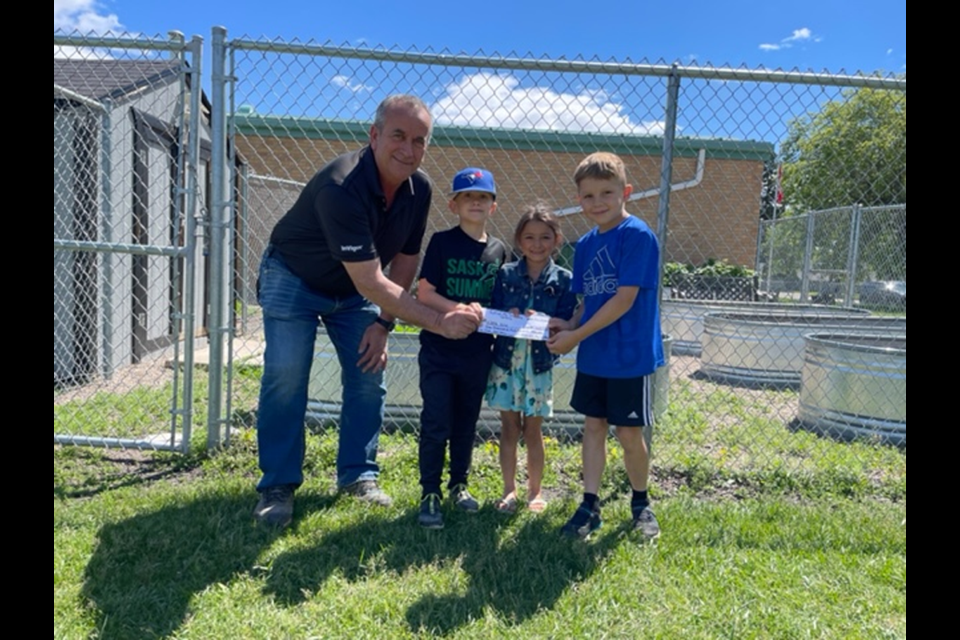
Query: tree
(853, 151)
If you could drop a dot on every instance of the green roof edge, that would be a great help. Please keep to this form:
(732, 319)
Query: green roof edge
(507, 139)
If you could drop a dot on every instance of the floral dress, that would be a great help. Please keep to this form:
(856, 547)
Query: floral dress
(519, 388)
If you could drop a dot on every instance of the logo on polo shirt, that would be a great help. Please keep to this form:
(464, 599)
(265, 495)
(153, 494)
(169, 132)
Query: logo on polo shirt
(352, 248)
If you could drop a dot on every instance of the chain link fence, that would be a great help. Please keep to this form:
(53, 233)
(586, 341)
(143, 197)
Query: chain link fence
(854, 256)
(728, 165)
(702, 148)
(127, 186)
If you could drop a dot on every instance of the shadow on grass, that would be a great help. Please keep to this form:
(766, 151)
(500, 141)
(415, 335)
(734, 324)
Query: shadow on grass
(145, 569)
(515, 572)
(83, 473)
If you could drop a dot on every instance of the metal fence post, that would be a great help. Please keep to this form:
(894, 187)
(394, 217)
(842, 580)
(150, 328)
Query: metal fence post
(807, 259)
(218, 197)
(106, 231)
(853, 254)
(666, 164)
(188, 303)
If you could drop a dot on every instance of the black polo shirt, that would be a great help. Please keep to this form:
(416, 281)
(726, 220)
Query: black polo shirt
(341, 216)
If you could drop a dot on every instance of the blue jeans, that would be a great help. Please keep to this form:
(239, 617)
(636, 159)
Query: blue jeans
(291, 314)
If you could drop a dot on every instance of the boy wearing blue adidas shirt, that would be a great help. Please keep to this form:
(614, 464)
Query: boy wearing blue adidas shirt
(617, 328)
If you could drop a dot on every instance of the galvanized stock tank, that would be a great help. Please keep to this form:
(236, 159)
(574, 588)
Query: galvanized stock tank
(402, 377)
(767, 348)
(683, 319)
(855, 386)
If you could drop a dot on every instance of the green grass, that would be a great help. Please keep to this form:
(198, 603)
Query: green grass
(161, 545)
(728, 438)
(146, 410)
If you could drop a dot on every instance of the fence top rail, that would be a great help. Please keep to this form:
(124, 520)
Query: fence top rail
(573, 66)
(175, 42)
(63, 92)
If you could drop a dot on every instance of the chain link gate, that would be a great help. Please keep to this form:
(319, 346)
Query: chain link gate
(129, 181)
(704, 149)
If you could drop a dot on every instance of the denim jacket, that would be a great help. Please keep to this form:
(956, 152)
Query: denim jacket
(551, 295)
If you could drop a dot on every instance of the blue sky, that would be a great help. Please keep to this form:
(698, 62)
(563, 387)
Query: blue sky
(849, 35)
(819, 35)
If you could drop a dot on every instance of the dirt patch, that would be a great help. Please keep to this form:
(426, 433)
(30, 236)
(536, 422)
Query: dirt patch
(154, 371)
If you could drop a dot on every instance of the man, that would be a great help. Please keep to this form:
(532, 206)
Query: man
(364, 211)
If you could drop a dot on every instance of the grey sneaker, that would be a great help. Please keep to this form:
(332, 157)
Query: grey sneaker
(368, 491)
(430, 515)
(275, 506)
(461, 498)
(583, 522)
(646, 523)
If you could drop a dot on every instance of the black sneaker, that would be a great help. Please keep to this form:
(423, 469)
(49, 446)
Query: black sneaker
(584, 522)
(275, 506)
(430, 515)
(368, 491)
(461, 499)
(646, 523)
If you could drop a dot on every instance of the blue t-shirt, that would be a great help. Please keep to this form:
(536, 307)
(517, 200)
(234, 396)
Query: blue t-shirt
(626, 256)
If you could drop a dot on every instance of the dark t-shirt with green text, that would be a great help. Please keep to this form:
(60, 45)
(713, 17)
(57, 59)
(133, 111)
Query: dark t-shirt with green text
(462, 270)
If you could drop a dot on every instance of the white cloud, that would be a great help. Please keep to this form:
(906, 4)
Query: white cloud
(84, 16)
(803, 34)
(344, 83)
(495, 100)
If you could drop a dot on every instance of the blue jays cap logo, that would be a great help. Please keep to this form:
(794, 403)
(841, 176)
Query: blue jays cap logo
(473, 179)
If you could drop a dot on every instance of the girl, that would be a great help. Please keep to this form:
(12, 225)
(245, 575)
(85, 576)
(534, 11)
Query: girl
(521, 380)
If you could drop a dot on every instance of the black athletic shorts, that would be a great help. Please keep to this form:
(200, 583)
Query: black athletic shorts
(624, 402)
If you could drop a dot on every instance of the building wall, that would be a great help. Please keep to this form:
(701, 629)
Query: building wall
(108, 317)
(718, 218)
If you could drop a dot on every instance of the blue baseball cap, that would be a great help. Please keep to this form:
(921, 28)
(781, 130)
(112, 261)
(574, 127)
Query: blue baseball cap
(473, 179)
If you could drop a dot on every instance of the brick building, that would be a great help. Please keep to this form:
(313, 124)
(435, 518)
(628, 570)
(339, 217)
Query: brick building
(714, 207)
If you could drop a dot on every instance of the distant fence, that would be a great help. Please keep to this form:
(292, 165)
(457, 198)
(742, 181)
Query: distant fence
(830, 254)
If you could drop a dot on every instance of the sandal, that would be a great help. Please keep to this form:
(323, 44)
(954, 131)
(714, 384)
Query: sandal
(506, 505)
(537, 505)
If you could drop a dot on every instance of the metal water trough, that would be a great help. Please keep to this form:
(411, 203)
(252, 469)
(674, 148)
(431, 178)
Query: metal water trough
(767, 348)
(855, 386)
(683, 319)
(403, 386)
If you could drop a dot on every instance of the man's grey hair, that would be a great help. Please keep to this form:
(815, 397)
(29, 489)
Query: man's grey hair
(400, 100)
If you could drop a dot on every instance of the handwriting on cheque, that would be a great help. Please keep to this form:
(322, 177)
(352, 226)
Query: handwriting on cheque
(504, 323)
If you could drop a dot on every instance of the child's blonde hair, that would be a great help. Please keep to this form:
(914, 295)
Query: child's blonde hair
(539, 211)
(601, 165)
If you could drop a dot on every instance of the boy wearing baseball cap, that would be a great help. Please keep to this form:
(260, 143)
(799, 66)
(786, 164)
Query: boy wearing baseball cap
(459, 269)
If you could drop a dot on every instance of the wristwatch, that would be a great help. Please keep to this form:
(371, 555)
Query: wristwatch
(389, 325)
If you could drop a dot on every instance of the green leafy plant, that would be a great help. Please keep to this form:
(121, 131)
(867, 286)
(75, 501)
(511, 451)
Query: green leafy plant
(711, 267)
